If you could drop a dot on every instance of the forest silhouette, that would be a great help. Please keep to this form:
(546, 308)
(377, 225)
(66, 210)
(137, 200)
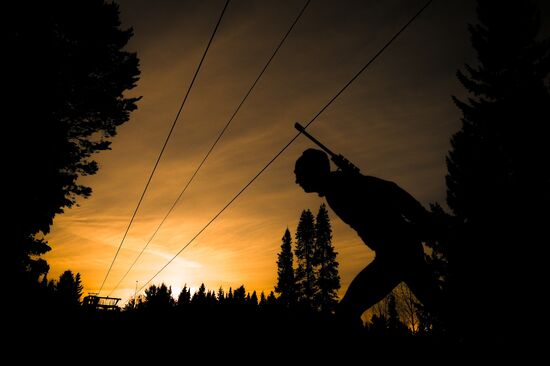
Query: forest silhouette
(485, 252)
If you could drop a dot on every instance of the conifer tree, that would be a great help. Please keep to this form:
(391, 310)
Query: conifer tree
(69, 289)
(199, 297)
(262, 300)
(271, 300)
(211, 299)
(305, 249)
(221, 296)
(328, 279)
(158, 298)
(286, 287)
(239, 295)
(229, 298)
(184, 297)
(253, 299)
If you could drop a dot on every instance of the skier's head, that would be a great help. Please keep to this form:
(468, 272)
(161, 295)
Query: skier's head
(311, 170)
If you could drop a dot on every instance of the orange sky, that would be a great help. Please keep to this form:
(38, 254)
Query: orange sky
(394, 122)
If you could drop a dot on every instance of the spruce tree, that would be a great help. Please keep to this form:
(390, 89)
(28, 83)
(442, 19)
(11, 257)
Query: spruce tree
(239, 296)
(199, 297)
(184, 297)
(262, 300)
(69, 289)
(158, 298)
(253, 301)
(78, 287)
(220, 296)
(271, 300)
(499, 170)
(229, 297)
(306, 283)
(286, 287)
(211, 300)
(328, 279)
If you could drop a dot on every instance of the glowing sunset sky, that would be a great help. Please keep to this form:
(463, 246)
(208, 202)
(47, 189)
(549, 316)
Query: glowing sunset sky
(394, 122)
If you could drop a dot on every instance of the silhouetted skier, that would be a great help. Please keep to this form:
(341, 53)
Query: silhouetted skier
(387, 218)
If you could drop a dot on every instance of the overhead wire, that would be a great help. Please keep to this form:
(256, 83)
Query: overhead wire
(388, 43)
(222, 132)
(164, 145)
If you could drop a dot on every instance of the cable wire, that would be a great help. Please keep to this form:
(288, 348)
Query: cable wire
(164, 145)
(215, 142)
(290, 142)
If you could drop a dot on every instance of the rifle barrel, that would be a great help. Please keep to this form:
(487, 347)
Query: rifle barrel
(302, 130)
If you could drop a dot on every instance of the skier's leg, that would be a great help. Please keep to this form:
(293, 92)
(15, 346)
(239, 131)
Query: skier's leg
(370, 286)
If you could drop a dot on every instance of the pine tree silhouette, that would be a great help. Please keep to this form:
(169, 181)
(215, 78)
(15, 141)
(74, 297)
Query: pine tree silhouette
(184, 298)
(328, 279)
(199, 297)
(158, 298)
(239, 296)
(271, 300)
(69, 290)
(263, 300)
(229, 298)
(253, 300)
(286, 285)
(306, 283)
(220, 296)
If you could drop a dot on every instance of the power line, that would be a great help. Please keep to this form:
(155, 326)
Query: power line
(215, 142)
(165, 143)
(290, 142)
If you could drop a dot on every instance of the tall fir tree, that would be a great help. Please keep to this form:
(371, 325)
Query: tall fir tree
(158, 298)
(199, 297)
(69, 289)
(306, 284)
(184, 298)
(271, 300)
(286, 285)
(229, 297)
(239, 296)
(253, 301)
(328, 279)
(262, 300)
(499, 170)
(220, 296)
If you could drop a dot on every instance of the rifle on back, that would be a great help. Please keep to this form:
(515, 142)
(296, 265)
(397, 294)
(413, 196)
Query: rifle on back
(341, 162)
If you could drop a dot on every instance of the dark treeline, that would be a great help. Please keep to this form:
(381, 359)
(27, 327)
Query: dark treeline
(306, 291)
(486, 250)
(300, 308)
(160, 298)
